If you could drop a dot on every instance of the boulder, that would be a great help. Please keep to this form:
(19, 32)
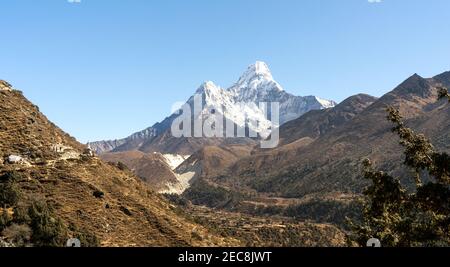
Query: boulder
(14, 159)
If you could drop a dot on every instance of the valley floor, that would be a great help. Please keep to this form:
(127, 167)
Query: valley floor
(273, 231)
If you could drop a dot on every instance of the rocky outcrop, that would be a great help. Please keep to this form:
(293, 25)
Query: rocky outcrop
(5, 86)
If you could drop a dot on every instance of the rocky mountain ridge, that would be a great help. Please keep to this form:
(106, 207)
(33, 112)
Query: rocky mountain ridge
(238, 104)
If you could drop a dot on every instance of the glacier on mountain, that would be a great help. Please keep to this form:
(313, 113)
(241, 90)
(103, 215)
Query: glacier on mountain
(240, 102)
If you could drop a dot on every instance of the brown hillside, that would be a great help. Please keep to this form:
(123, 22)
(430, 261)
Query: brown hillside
(151, 168)
(332, 161)
(211, 160)
(88, 195)
(166, 143)
(327, 157)
(318, 122)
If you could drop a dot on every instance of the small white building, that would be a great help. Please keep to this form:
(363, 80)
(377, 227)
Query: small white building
(15, 159)
(88, 151)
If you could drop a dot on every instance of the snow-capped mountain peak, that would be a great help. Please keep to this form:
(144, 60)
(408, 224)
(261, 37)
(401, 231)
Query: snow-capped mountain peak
(325, 103)
(258, 71)
(256, 83)
(239, 104)
(241, 101)
(208, 86)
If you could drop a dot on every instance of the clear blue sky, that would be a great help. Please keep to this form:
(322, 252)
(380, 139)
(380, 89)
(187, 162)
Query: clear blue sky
(103, 69)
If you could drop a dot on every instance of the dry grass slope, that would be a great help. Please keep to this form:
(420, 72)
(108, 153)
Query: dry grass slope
(126, 214)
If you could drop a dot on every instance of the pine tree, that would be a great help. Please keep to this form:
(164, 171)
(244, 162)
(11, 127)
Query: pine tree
(397, 217)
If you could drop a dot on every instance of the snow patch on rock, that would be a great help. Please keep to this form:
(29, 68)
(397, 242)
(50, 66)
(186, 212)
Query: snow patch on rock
(325, 103)
(182, 185)
(174, 160)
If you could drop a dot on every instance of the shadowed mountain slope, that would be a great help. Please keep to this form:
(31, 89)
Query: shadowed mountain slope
(323, 150)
